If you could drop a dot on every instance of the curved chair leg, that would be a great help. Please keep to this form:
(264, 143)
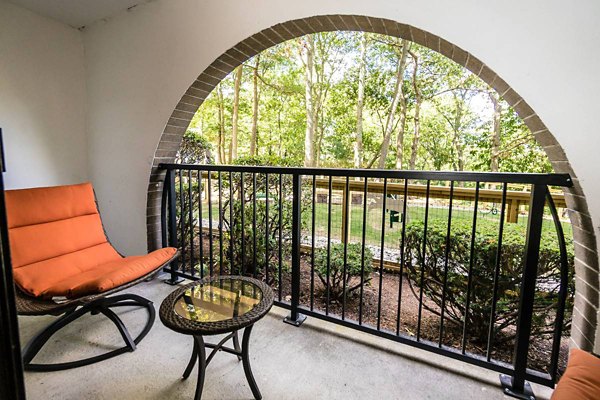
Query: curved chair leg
(110, 314)
(246, 363)
(102, 306)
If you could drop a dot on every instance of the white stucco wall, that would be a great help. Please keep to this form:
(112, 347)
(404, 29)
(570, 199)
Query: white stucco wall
(140, 62)
(42, 100)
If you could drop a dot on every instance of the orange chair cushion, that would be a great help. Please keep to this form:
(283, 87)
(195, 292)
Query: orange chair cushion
(58, 246)
(581, 380)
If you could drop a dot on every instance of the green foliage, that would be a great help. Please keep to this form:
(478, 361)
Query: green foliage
(332, 265)
(263, 240)
(431, 268)
(455, 118)
(195, 149)
(267, 160)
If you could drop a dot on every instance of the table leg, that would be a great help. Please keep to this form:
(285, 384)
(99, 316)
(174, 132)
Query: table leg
(236, 344)
(193, 359)
(201, 366)
(246, 363)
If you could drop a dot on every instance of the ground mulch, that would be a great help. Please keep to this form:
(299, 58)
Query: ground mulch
(540, 347)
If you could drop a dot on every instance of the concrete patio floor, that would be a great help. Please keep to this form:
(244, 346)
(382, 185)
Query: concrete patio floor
(319, 360)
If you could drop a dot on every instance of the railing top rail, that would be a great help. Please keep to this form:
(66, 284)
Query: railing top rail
(563, 180)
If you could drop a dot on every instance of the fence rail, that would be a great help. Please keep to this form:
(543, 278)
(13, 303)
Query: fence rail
(267, 220)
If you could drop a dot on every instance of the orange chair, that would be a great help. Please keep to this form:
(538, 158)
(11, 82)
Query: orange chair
(63, 264)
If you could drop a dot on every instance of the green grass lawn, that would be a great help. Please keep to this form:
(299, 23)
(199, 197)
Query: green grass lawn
(415, 211)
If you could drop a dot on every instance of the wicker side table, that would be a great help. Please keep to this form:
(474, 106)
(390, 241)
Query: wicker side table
(213, 306)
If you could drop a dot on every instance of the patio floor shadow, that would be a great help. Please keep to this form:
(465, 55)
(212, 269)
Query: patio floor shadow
(319, 360)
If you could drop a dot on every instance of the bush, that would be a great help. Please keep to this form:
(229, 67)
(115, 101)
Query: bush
(194, 149)
(336, 268)
(243, 261)
(484, 261)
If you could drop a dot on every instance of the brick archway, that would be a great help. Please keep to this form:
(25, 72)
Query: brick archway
(586, 257)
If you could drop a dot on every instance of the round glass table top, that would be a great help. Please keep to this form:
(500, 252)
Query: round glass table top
(218, 300)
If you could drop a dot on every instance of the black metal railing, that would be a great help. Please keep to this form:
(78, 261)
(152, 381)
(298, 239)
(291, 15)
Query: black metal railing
(348, 246)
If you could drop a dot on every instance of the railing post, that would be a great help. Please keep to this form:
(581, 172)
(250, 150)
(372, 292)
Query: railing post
(163, 211)
(295, 318)
(516, 386)
(170, 181)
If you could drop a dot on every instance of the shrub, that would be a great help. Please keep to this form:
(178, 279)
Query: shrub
(194, 149)
(336, 268)
(484, 261)
(243, 261)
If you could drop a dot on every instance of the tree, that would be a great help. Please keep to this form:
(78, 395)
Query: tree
(335, 99)
(221, 113)
(307, 56)
(401, 131)
(417, 116)
(362, 70)
(389, 125)
(254, 139)
(496, 132)
(233, 148)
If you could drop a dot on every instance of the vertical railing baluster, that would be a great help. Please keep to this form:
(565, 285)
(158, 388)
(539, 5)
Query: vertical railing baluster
(382, 252)
(280, 249)
(191, 217)
(345, 240)
(243, 227)
(517, 384)
(362, 252)
(423, 262)
(177, 264)
(312, 243)
(210, 224)
(201, 220)
(446, 257)
(181, 218)
(295, 317)
(328, 245)
(164, 234)
(470, 274)
(496, 275)
(220, 183)
(267, 237)
(231, 241)
(254, 224)
(402, 240)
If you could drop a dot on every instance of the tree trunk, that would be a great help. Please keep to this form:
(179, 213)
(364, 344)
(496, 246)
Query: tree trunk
(254, 140)
(457, 128)
(307, 55)
(280, 147)
(221, 112)
(417, 125)
(360, 103)
(400, 137)
(319, 136)
(389, 124)
(236, 108)
(495, 139)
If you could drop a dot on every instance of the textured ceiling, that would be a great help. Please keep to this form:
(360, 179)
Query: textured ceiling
(77, 13)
